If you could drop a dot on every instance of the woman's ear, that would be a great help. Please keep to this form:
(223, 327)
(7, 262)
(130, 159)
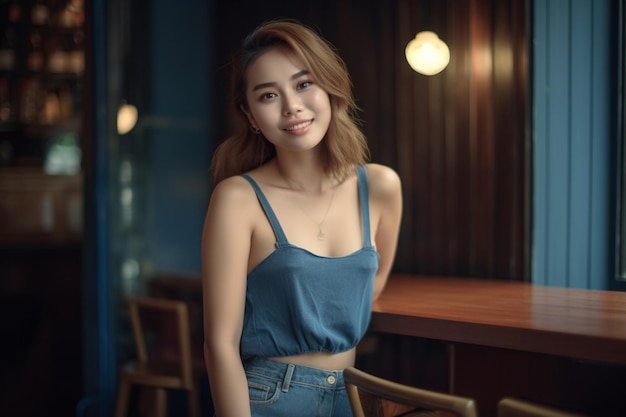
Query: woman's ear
(248, 115)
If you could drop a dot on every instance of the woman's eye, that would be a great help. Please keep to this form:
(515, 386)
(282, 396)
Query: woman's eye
(305, 84)
(267, 96)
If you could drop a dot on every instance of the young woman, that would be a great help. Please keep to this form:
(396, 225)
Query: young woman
(300, 233)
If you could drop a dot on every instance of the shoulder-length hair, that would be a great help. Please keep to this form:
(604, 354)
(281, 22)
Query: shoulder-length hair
(344, 146)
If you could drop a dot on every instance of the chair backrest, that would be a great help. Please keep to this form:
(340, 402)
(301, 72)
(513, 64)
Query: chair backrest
(162, 335)
(368, 395)
(514, 407)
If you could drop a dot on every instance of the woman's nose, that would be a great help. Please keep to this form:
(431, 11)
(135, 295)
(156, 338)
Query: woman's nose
(292, 103)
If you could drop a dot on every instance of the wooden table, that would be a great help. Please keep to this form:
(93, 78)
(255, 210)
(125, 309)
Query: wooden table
(561, 346)
(583, 324)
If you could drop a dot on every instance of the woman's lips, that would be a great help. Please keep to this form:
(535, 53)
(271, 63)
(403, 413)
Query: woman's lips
(299, 125)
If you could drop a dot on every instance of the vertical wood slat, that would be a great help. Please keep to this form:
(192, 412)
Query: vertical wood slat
(508, 136)
(442, 222)
(481, 205)
(457, 140)
(540, 147)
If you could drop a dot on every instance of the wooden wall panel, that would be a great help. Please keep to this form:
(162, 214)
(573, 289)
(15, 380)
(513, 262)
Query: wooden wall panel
(458, 139)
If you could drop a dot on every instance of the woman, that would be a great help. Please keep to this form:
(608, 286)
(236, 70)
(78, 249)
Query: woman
(300, 233)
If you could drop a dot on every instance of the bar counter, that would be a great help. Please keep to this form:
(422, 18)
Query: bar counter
(575, 323)
(556, 346)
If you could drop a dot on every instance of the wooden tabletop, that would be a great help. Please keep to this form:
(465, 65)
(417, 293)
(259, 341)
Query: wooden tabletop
(577, 323)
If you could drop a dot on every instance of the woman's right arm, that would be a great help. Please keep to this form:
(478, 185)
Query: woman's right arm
(225, 249)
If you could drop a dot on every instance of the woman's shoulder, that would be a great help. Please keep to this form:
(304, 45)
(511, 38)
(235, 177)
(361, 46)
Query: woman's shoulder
(235, 190)
(237, 187)
(382, 180)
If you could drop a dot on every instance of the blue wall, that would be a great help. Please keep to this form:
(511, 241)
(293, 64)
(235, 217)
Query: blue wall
(572, 142)
(180, 142)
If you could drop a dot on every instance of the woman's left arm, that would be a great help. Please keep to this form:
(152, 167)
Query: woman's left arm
(385, 193)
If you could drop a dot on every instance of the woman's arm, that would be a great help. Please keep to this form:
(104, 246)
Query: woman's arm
(225, 250)
(385, 192)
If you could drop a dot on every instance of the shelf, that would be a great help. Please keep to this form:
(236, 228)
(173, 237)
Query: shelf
(39, 208)
(42, 60)
(40, 130)
(47, 75)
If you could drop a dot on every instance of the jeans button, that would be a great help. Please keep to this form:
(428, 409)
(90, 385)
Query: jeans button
(331, 379)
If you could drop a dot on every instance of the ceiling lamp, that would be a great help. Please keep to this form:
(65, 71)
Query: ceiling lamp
(427, 54)
(126, 118)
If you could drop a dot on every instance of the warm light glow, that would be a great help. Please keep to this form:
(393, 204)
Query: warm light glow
(427, 54)
(126, 118)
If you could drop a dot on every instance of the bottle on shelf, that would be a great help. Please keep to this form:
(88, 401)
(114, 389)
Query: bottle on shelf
(6, 105)
(66, 102)
(72, 15)
(35, 56)
(14, 12)
(51, 112)
(57, 54)
(76, 53)
(11, 16)
(32, 100)
(8, 49)
(40, 13)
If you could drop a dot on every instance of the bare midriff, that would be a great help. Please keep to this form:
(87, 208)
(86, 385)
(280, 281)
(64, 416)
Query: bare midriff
(321, 360)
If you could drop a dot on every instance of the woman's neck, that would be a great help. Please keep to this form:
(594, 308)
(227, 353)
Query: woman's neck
(308, 176)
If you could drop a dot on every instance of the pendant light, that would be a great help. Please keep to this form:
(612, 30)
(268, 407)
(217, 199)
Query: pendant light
(427, 54)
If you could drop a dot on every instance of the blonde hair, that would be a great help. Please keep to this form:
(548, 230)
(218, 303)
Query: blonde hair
(344, 146)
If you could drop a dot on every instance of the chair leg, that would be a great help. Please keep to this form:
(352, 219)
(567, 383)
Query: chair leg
(123, 395)
(160, 402)
(147, 401)
(194, 401)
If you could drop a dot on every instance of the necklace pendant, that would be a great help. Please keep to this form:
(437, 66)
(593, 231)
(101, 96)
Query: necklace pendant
(320, 235)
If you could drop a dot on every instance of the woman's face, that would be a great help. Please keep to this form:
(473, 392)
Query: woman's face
(285, 102)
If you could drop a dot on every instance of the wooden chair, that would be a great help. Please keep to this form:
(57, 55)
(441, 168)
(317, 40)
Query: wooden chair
(514, 407)
(371, 396)
(164, 360)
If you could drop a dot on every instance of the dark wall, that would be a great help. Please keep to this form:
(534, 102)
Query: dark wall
(459, 140)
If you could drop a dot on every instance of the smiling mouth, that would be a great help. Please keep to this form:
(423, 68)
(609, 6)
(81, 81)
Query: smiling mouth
(299, 125)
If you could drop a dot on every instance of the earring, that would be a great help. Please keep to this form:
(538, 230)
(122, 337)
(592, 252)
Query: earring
(255, 129)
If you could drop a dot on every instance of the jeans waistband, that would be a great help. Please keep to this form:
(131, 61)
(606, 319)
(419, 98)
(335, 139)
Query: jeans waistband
(288, 373)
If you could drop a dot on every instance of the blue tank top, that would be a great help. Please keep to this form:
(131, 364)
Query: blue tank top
(298, 302)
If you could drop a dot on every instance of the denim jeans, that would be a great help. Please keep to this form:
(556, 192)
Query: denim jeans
(279, 389)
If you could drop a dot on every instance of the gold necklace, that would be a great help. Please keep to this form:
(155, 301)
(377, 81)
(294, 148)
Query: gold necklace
(320, 232)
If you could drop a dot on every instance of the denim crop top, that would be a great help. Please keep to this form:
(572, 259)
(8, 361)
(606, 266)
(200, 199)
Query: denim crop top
(298, 302)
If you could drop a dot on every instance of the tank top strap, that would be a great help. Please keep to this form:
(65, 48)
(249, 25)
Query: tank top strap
(365, 205)
(271, 216)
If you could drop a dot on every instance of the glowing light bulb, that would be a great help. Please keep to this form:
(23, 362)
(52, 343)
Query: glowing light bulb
(427, 54)
(126, 118)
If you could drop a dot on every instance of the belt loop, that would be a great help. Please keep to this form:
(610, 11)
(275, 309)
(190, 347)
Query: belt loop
(287, 377)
